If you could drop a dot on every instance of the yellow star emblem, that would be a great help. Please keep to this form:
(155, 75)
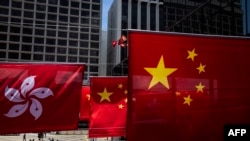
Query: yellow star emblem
(88, 96)
(200, 87)
(201, 68)
(187, 100)
(121, 106)
(160, 74)
(105, 95)
(120, 86)
(191, 54)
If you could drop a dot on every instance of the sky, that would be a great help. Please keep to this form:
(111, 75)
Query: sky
(105, 8)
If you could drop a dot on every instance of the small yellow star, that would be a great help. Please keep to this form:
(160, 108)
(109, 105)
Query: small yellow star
(126, 100)
(200, 87)
(88, 96)
(121, 106)
(120, 86)
(126, 92)
(177, 93)
(191, 54)
(105, 95)
(160, 74)
(201, 68)
(187, 100)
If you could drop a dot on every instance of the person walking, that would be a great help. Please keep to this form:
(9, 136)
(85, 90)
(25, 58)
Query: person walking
(24, 137)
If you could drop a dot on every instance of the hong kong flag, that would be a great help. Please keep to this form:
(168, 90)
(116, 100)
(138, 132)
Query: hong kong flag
(186, 87)
(39, 97)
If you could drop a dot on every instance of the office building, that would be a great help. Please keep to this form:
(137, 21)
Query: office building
(65, 31)
(214, 17)
(130, 14)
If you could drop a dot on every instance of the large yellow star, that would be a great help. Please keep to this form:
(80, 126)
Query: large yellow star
(160, 74)
(200, 87)
(187, 100)
(201, 68)
(105, 95)
(191, 54)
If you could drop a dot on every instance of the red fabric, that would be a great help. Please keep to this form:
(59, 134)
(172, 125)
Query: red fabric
(114, 43)
(85, 105)
(39, 97)
(106, 117)
(219, 91)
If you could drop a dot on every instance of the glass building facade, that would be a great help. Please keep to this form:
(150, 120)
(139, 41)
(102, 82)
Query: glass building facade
(51, 31)
(214, 17)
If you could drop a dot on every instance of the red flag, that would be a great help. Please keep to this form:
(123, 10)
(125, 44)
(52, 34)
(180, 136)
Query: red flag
(189, 88)
(39, 97)
(85, 105)
(122, 41)
(108, 106)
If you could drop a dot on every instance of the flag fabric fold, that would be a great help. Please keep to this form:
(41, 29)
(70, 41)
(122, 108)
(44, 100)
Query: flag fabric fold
(85, 104)
(39, 97)
(108, 106)
(189, 89)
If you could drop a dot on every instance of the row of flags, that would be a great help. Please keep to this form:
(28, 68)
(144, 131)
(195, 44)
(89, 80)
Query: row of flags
(179, 87)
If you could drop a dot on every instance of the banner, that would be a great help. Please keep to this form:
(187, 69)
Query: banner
(186, 87)
(39, 97)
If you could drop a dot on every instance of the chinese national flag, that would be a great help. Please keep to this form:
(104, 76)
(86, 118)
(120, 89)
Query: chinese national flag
(186, 87)
(85, 105)
(108, 106)
(39, 97)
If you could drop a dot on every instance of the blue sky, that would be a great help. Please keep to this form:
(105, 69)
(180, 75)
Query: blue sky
(105, 8)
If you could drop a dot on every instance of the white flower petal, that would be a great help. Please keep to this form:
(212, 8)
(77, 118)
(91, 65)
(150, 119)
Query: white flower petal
(17, 110)
(36, 108)
(27, 85)
(13, 95)
(42, 92)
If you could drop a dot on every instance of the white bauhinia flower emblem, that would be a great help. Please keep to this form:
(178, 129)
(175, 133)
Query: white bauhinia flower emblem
(24, 98)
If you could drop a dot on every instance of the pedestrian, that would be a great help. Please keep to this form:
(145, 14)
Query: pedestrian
(24, 137)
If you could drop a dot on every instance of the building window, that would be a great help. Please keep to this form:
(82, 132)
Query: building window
(84, 60)
(73, 43)
(16, 4)
(2, 45)
(25, 56)
(14, 29)
(50, 41)
(83, 52)
(72, 59)
(38, 48)
(27, 39)
(61, 58)
(14, 47)
(29, 6)
(15, 38)
(15, 12)
(13, 55)
(84, 36)
(49, 57)
(27, 31)
(28, 14)
(26, 47)
(38, 57)
(62, 42)
(50, 49)
(94, 53)
(39, 32)
(72, 51)
(61, 50)
(40, 16)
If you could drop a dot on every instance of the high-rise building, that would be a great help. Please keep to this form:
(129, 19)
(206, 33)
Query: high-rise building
(214, 17)
(51, 31)
(130, 14)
